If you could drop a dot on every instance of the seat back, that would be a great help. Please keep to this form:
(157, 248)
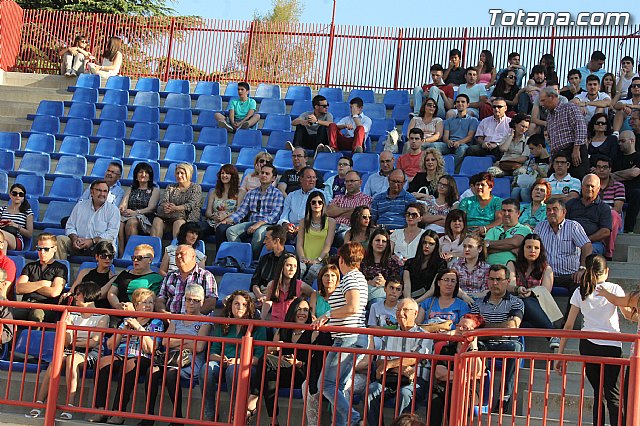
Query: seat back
(35, 162)
(294, 93)
(33, 184)
(76, 145)
(40, 142)
(145, 150)
(213, 136)
(178, 133)
(78, 127)
(375, 111)
(146, 114)
(209, 102)
(177, 86)
(54, 108)
(82, 110)
(333, 94)
(85, 94)
(145, 132)
(367, 95)
(118, 82)
(178, 100)
(10, 141)
(277, 122)
(114, 112)
(7, 160)
(72, 165)
(45, 124)
(246, 138)
(178, 116)
(91, 81)
(148, 84)
(207, 88)
(109, 148)
(366, 162)
(115, 97)
(136, 240)
(151, 99)
(396, 97)
(180, 153)
(216, 155)
(66, 187)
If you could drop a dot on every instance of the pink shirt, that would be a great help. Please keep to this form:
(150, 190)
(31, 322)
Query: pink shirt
(410, 164)
(279, 309)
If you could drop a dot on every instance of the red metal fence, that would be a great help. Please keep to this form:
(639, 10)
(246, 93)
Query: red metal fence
(11, 17)
(346, 56)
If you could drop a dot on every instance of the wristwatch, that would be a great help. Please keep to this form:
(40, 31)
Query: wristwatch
(319, 259)
(486, 243)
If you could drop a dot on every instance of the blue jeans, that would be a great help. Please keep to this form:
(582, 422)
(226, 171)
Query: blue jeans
(510, 367)
(239, 231)
(212, 372)
(332, 382)
(522, 194)
(598, 248)
(458, 153)
(434, 93)
(534, 316)
(406, 394)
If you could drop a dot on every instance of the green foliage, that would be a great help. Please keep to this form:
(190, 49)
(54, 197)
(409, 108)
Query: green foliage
(128, 7)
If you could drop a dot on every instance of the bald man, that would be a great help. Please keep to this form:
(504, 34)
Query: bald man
(626, 169)
(592, 213)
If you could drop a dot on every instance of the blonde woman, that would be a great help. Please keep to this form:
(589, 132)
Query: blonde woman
(252, 180)
(425, 183)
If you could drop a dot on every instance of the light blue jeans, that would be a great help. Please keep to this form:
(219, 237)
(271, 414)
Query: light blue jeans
(458, 153)
(236, 232)
(433, 93)
(212, 372)
(522, 194)
(332, 381)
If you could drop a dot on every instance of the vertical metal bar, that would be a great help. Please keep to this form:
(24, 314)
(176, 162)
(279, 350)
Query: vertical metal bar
(633, 408)
(398, 54)
(465, 41)
(168, 66)
(55, 366)
(242, 388)
(249, 46)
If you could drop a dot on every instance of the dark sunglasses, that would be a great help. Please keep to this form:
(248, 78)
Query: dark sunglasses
(498, 106)
(412, 215)
(316, 202)
(635, 86)
(323, 106)
(511, 77)
(44, 249)
(601, 123)
(138, 258)
(17, 194)
(105, 256)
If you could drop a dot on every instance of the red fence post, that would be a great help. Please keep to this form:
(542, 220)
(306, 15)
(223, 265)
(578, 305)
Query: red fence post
(247, 68)
(242, 386)
(11, 22)
(55, 367)
(327, 75)
(398, 53)
(633, 408)
(171, 30)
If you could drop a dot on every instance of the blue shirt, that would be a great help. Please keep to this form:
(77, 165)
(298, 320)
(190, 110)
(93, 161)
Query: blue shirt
(390, 212)
(265, 207)
(454, 312)
(366, 123)
(116, 193)
(376, 184)
(295, 205)
(459, 127)
(585, 72)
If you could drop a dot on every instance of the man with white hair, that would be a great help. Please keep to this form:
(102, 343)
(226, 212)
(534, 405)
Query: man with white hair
(626, 169)
(592, 213)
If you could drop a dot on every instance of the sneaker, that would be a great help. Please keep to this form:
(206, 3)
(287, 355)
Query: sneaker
(412, 115)
(358, 150)
(73, 73)
(288, 146)
(223, 124)
(554, 343)
(245, 125)
(328, 149)
(506, 407)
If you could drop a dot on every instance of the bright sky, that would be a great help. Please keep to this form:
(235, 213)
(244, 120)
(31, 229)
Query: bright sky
(400, 13)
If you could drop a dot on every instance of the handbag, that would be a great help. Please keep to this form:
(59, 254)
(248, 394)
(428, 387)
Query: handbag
(179, 358)
(11, 230)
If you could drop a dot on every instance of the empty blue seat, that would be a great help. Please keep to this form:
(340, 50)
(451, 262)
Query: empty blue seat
(10, 141)
(240, 252)
(170, 175)
(339, 110)
(276, 122)
(208, 103)
(367, 95)
(4, 184)
(375, 111)
(333, 94)
(85, 94)
(53, 108)
(327, 161)
(75, 145)
(40, 142)
(449, 164)
(502, 187)
(472, 165)
(246, 138)
(114, 97)
(118, 82)
(179, 153)
(64, 188)
(33, 184)
(246, 157)
(7, 160)
(110, 129)
(205, 119)
(266, 91)
(206, 88)
(210, 177)
(231, 282)
(155, 166)
(176, 86)
(300, 107)
(395, 97)
(272, 106)
(109, 148)
(213, 154)
(35, 162)
(55, 212)
(176, 116)
(462, 182)
(33, 351)
(91, 81)
(78, 127)
(70, 165)
(366, 162)
(146, 114)
(277, 140)
(177, 100)
(100, 166)
(132, 243)
(297, 93)
(45, 124)
(113, 112)
(145, 132)
(380, 128)
(150, 99)
(401, 112)
(230, 91)
(147, 84)
(212, 136)
(143, 150)
(177, 133)
(283, 161)
(20, 263)
(80, 110)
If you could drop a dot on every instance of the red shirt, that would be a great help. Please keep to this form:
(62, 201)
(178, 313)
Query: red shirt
(447, 89)
(10, 268)
(410, 164)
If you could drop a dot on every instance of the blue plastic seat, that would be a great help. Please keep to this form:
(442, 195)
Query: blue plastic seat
(117, 82)
(40, 142)
(114, 97)
(53, 108)
(276, 122)
(145, 114)
(64, 188)
(375, 111)
(297, 93)
(449, 164)
(32, 353)
(170, 175)
(91, 81)
(70, 165)
(10, 141)
(80, 110)
(108, 148)
(85, 94)
(210, 177)
(177, 100)
(246, 138)
(113, 112)
(333, 94)
(179, 153)
(212, 136)
(213, 154)
(208, 103)
(78, 127)
(110, 129)
(176, 86)
(401, 112)
(177, 133)
(205, 119)
(144, 132)
(395, 97)
(277, 140)
(272, 106)
(4, 184)
(367, 95)
(327, 161)
(134, 241)
(143, 150)
(147, 84)
(35, 163)
(462, 182)
(300, 107)
(380, 128)
(206, 88)
(100, 166)
(241, 252)
(502, 187)
(45, 124)
(150, 99)
(472, 165)
(33, 184)
(266, 91)
(283, 161)
(231, 282)
(20, 263)
(155, 166)
(230, 91)
(339, 110)
(74, 145)
(366, 162)
(246, 157)
(55, 212)
(177, 116)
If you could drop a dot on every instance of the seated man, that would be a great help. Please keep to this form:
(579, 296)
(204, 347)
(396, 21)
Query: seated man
(342, 206)
(593, 67)
(626, 169)
(274, 240)
(311, 126)
(613, 194)
(458, 132)
(263, 206)
(335, 185)
(91, 221)
(593, 214)
(563, 186)
(356, 128)
(378, 182)
(42, 281)
(476, 93)
(5, 311)
(491, 131)
(290, 179)
(171, 297)
(242, 111)
(454, 75)
(9, 268)
(503, 241)
(573, 88)
(409, 372)
(411, 162)
(112, 178)
(501, 309)
(438, 90)
(388, 209)
(593, 100)
(537, 82)
(296, 202)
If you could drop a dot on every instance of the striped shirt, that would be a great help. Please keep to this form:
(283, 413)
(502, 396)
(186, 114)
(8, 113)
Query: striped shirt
(353, 280)
(475, 280)
(612, 192)
(390, 211)
(19, 219)
(260, 206)
(566, 127)
(563, 248)
(173, 288)
(409, 345)
(347, 201)
(509, 306)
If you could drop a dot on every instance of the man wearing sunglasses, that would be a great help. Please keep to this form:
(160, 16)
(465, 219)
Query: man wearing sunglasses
(112, 177)
(625, 107)
(491, 131)
(311, 127)
(90, 222)
(42, 281)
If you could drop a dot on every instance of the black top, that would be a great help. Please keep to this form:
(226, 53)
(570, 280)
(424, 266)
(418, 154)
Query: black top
(569, 94)
(419, 181)
(264, 271)
(422, 280)
(609, 148)
(624, 162)
(456, 77)
(291, 178)
(35, 272)
(101, 279)
(593, 217)
(305, 339)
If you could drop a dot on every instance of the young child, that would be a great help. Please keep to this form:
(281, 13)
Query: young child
(383, 313)
(242, 111)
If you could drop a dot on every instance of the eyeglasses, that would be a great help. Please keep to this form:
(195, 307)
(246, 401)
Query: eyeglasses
(366, 216)
(464, 328)
(323, 105)
(511, 77)
(343, 164)
(44, 249)
(601, 123)
(17, 194)
(635, 86)
(406, 310)
(386, 161)
(352, 181)
(430, 105)
(138, 258)
(190, 300)
(495, 280)
(317, 202)
(498, 106)
(113, 172)
(412, 215)
(104, 256)
(602, 166)
(397, 182)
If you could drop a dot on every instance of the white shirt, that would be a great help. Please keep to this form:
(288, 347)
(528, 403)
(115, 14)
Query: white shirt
(401, 248)
(366, 123)
(599, 314)
(591, 110)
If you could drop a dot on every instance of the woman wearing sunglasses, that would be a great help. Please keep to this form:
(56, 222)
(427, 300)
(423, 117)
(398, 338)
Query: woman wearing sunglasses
(141, 276)
(101, 274)
(16, 218)
(315, 237)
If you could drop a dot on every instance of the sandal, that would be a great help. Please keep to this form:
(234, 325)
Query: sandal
(33, 414)
(66, 415)
(251, 416)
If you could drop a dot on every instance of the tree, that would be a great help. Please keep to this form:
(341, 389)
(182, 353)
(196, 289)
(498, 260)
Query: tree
(128, 7)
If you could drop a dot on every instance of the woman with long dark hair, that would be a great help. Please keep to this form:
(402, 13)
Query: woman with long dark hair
(421, 270)
(404, 242)
(16, 218)
(222, 201)
(315, 236)
(101, 274)
(485, 69)
(445, 303)
(379, 265)
(111, 59)
(514, 146)
(600, 140)
(455, 228)
(439, 206)
(549, 63)
(599, 315)
(428, 121)
(284, 287)
(507, 89)
(361, 226)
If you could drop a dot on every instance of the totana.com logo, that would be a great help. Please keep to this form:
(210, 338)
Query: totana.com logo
(534, 19)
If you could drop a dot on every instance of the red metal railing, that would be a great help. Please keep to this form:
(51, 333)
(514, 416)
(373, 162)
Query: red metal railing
(10, 32)
(346, 56)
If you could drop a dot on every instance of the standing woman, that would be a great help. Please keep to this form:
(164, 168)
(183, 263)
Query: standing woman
(379, 265)
(485, 69)
(599, 315)
(455, 228)
(16, 219)
(111, 59)
(472, 268)
(424, 185)
(437, 208)
(420, 271)
(428, 121)
(284, 288)
(361, 226)
(138, 206)
(404, 242)
(315, 236)
(180, 203)
(223, 201)
(348, 305)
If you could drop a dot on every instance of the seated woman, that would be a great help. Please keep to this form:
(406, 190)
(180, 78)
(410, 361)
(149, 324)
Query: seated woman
(507, 89)
(315, 236)
(284, 367)
(16, 219)
(169, 376)
(100, 275)
(455, 228)
(75, 57)
(600, 141)
(438, 207)
(223, 201)
(444, 304)
(379, 265)
(404, 242)
(424, 185)
(238, 305)
(427, 121)
(132, 356)
(123, 286)
(514, 147)
(421, 270)
(361, 226)
(138, 206)
(284, 288)
(328, 279)
(536, 211)
(484, 210)
(472, 269)
(188, 234)
(111, 59)
(252, 180)
(180, 203)
(81, 347)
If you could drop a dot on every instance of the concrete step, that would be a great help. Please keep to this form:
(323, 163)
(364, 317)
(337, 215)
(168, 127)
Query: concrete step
(48, 81)
(32, 94)
(14, 124)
